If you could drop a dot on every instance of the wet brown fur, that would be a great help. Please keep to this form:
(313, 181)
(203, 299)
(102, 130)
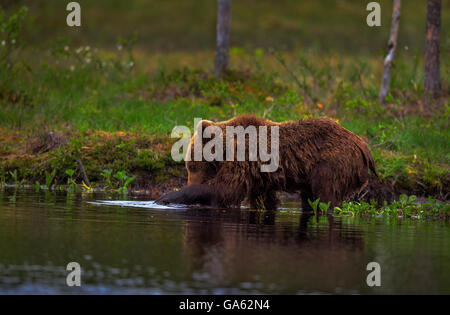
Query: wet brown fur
(318, 157)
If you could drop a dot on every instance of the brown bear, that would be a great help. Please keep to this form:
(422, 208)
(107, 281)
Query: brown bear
(317, 157)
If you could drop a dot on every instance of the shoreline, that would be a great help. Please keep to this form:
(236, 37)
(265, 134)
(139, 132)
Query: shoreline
(139, 162)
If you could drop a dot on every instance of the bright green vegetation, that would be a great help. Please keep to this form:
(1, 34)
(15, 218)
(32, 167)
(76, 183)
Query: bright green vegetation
(405, 207)
(114, 107)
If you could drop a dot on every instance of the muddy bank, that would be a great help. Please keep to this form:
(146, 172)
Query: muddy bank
(108, 161)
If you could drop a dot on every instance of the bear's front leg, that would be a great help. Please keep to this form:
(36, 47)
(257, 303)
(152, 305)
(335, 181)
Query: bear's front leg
(189, 195)
(267, 201)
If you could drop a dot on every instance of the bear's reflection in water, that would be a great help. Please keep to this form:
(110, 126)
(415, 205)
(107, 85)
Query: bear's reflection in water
(266, 247)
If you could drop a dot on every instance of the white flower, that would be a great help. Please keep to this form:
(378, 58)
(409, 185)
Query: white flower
(131, 64)
(3, 42)
(88, 60)
(87, 48)
(13, 41)
(72, 68)
(79, 50)
(66, 48)
(119, 47)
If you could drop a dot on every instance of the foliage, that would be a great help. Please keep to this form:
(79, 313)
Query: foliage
(406, 206)
(49, 177)
(124, 181)
(71, 184)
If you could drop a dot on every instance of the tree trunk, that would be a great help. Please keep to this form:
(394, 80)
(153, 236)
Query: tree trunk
(223, 37)
(391, 51)
(432, 78)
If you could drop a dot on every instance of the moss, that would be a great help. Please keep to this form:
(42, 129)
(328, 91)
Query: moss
(148, 160)
(98, 151)
(413, 174)
(26, 166)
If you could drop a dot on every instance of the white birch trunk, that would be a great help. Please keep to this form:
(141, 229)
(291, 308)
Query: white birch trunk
(392, 45)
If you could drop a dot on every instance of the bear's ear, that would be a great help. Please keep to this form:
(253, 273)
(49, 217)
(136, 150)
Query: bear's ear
(203, 124)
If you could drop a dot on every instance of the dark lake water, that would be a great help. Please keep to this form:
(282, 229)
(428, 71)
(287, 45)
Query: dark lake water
(134, 247)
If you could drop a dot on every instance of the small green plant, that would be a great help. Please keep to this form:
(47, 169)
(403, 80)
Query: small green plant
(407, 200)
(403, 207)
(14, 177)
(324, 206)
(107, 174)
(37, 186)
(71, 184)
(49, 178)
(124, 181)
(344, 210)
(314, 204)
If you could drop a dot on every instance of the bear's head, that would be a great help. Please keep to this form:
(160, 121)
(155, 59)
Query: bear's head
(199, 171)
